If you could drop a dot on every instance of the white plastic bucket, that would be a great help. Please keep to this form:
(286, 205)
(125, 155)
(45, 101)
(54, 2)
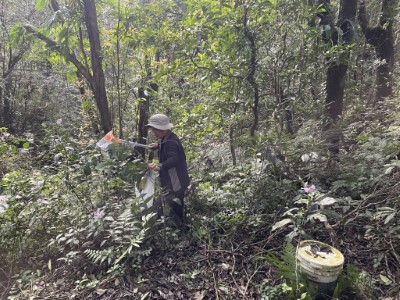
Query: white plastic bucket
(321, 263)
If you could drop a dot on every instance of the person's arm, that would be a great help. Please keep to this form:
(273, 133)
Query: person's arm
(152, 165)
(153, 146)
(172, 149)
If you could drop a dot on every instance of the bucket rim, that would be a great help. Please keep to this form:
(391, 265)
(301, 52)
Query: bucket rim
(333, 261)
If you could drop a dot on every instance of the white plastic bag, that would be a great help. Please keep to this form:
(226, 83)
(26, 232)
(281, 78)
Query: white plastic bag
(148, 189)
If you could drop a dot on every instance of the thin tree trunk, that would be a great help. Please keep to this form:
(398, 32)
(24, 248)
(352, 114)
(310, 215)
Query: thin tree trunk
(7, 99)
(98, 81)
(144, 106)
(251, 74)
(231, 138)
(90, 113)
(6, 93)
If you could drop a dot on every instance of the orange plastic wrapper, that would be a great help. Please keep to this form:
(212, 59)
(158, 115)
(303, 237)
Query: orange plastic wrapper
(107, 140)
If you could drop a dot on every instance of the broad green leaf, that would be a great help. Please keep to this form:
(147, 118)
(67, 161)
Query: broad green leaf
(327, 201)
(289, 212)
(40, 4)
(281, 223)
(385, 280)
(50, 21)
(330, 213)
(389, 170)
(318, 216)
(63, 35)
(13, 148)
(390, 217)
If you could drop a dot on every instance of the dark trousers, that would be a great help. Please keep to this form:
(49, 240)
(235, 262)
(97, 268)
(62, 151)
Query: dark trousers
(171, 205)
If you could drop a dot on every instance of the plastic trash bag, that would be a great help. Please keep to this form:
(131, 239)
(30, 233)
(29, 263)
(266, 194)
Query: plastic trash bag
(147, 192)
(110, 138)
(107, 140)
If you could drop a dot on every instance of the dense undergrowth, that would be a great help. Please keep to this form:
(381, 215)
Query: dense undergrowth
(71, 226)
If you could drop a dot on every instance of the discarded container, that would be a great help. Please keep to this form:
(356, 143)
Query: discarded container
(322, 264)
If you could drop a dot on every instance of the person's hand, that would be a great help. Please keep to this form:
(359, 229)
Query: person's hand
(153, 166)
(153, 146)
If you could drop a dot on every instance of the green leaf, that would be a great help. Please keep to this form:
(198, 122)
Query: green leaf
(385, 280)
(389, 170)
(63, 35)
(145, 296)
(281, 223)
(327, 201)
(101, 292)
(86, 104)
(40, 4)
(16, 33)
(13, 148)
(289, 212)
(390, 217)
(50, 21)
(302, 201)
(318, 216)
(330, 213)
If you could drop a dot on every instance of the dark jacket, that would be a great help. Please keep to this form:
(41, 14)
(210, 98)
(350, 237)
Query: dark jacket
(172, 162)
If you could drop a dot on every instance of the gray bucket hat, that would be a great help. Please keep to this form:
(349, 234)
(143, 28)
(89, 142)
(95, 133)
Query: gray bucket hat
(160, 121)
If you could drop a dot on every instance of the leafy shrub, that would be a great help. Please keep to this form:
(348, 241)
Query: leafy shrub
(82, 204)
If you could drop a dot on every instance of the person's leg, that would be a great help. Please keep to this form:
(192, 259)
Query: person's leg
(171, 205)
(176, 209)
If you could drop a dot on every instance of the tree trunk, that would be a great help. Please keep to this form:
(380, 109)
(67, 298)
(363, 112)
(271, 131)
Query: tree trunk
(98, 81)
(7, 109)
(89, 113)
(144, 106)
(251, 74)
(337, 68)
(6, 92)
(231, 137)
(381, 37)
(285, 118)
(335, 82)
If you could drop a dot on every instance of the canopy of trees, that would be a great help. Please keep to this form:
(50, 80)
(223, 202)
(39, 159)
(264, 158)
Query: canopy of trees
(289, 115)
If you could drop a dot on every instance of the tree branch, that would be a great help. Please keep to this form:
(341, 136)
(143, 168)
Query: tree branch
(56, 47)
(13, 61)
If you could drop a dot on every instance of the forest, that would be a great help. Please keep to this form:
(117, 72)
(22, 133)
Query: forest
(289, 115)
